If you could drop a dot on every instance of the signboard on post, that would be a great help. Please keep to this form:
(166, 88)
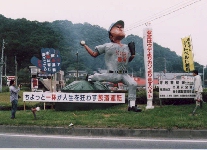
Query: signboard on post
(34, 83)
(9, 78)
(50, 62)
(182, 88)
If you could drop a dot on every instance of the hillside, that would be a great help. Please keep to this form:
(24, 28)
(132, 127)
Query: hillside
(25, 39)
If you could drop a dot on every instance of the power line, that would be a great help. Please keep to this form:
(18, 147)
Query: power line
(156, 17)
(161, 12)
(159, 15)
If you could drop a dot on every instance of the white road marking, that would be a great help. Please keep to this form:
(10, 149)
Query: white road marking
(108, 138)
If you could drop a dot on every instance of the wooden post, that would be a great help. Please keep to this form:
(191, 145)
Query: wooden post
(24, 106)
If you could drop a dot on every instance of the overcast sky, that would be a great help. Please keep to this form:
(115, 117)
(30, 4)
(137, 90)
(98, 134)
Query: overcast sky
(170, 20)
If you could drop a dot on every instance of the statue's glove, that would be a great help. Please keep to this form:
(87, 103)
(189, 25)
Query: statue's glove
(131, 46)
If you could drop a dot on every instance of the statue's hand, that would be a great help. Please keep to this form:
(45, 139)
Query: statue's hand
(82, 43)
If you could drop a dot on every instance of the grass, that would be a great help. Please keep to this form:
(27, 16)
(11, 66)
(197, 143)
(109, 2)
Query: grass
(165, 117)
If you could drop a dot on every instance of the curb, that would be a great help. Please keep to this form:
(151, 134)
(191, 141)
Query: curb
(112, 132)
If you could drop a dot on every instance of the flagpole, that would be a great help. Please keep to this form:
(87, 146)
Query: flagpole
(191, 40)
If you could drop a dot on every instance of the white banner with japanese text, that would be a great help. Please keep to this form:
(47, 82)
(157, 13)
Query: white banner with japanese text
(148, 59)
(74, 97)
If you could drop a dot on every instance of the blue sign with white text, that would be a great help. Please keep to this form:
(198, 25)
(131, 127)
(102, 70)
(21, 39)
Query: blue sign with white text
(50, 62)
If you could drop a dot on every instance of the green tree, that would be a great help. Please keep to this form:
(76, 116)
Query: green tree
(24, 76)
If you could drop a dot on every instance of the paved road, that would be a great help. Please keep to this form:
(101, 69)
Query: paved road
(106, 132)
(61, 141)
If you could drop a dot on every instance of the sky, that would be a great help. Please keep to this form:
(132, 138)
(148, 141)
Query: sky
(170, 20)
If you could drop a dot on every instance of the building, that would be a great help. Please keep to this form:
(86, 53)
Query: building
(42, 81)
(75, 75)
(141, 82)
(170, 76)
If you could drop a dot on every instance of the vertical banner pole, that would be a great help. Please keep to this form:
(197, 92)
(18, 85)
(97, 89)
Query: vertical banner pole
(148, 60)
(24, 106)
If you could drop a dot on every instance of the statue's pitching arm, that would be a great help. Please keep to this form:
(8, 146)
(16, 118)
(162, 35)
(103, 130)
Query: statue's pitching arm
(89, 50)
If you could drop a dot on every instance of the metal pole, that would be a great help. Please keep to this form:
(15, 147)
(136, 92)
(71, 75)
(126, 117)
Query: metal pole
(5, 67)
(140, 70)
(1, 65)
(165, 65)
(15, 70)
(203, 75)
(77, 67)
(2, 54)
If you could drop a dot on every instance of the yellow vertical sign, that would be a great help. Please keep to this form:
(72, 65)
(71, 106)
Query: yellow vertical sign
(187, 54)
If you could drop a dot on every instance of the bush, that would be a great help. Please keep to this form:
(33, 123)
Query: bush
(26, 88)
(141, 97)
(5, 89)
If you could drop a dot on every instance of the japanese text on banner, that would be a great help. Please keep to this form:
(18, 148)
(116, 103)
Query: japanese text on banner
(74, 97)
(187, 54)
(148, 50)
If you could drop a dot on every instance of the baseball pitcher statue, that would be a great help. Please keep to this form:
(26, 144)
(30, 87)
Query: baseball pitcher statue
(117, 56)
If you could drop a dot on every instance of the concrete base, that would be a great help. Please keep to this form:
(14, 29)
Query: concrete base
(149, 104)
(149, 107)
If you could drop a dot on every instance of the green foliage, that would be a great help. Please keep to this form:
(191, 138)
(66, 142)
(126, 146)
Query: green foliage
(26, 88)
(4, 81)
(24, 76)
(5, 89)
(141, 97)
(24, 39)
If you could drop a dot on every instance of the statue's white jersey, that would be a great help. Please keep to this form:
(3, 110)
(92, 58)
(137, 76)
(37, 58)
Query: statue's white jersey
(116, 56)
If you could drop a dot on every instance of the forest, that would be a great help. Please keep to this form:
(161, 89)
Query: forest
(24, 39)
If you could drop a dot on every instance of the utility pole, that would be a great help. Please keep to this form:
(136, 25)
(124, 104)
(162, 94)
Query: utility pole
(165, 65)
(203, 75)
(77, 67)
(15, 70)
(140, 71)
(1, 64)
(5, 67)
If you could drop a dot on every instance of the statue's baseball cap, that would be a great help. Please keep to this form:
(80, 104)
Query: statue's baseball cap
(115, 23)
